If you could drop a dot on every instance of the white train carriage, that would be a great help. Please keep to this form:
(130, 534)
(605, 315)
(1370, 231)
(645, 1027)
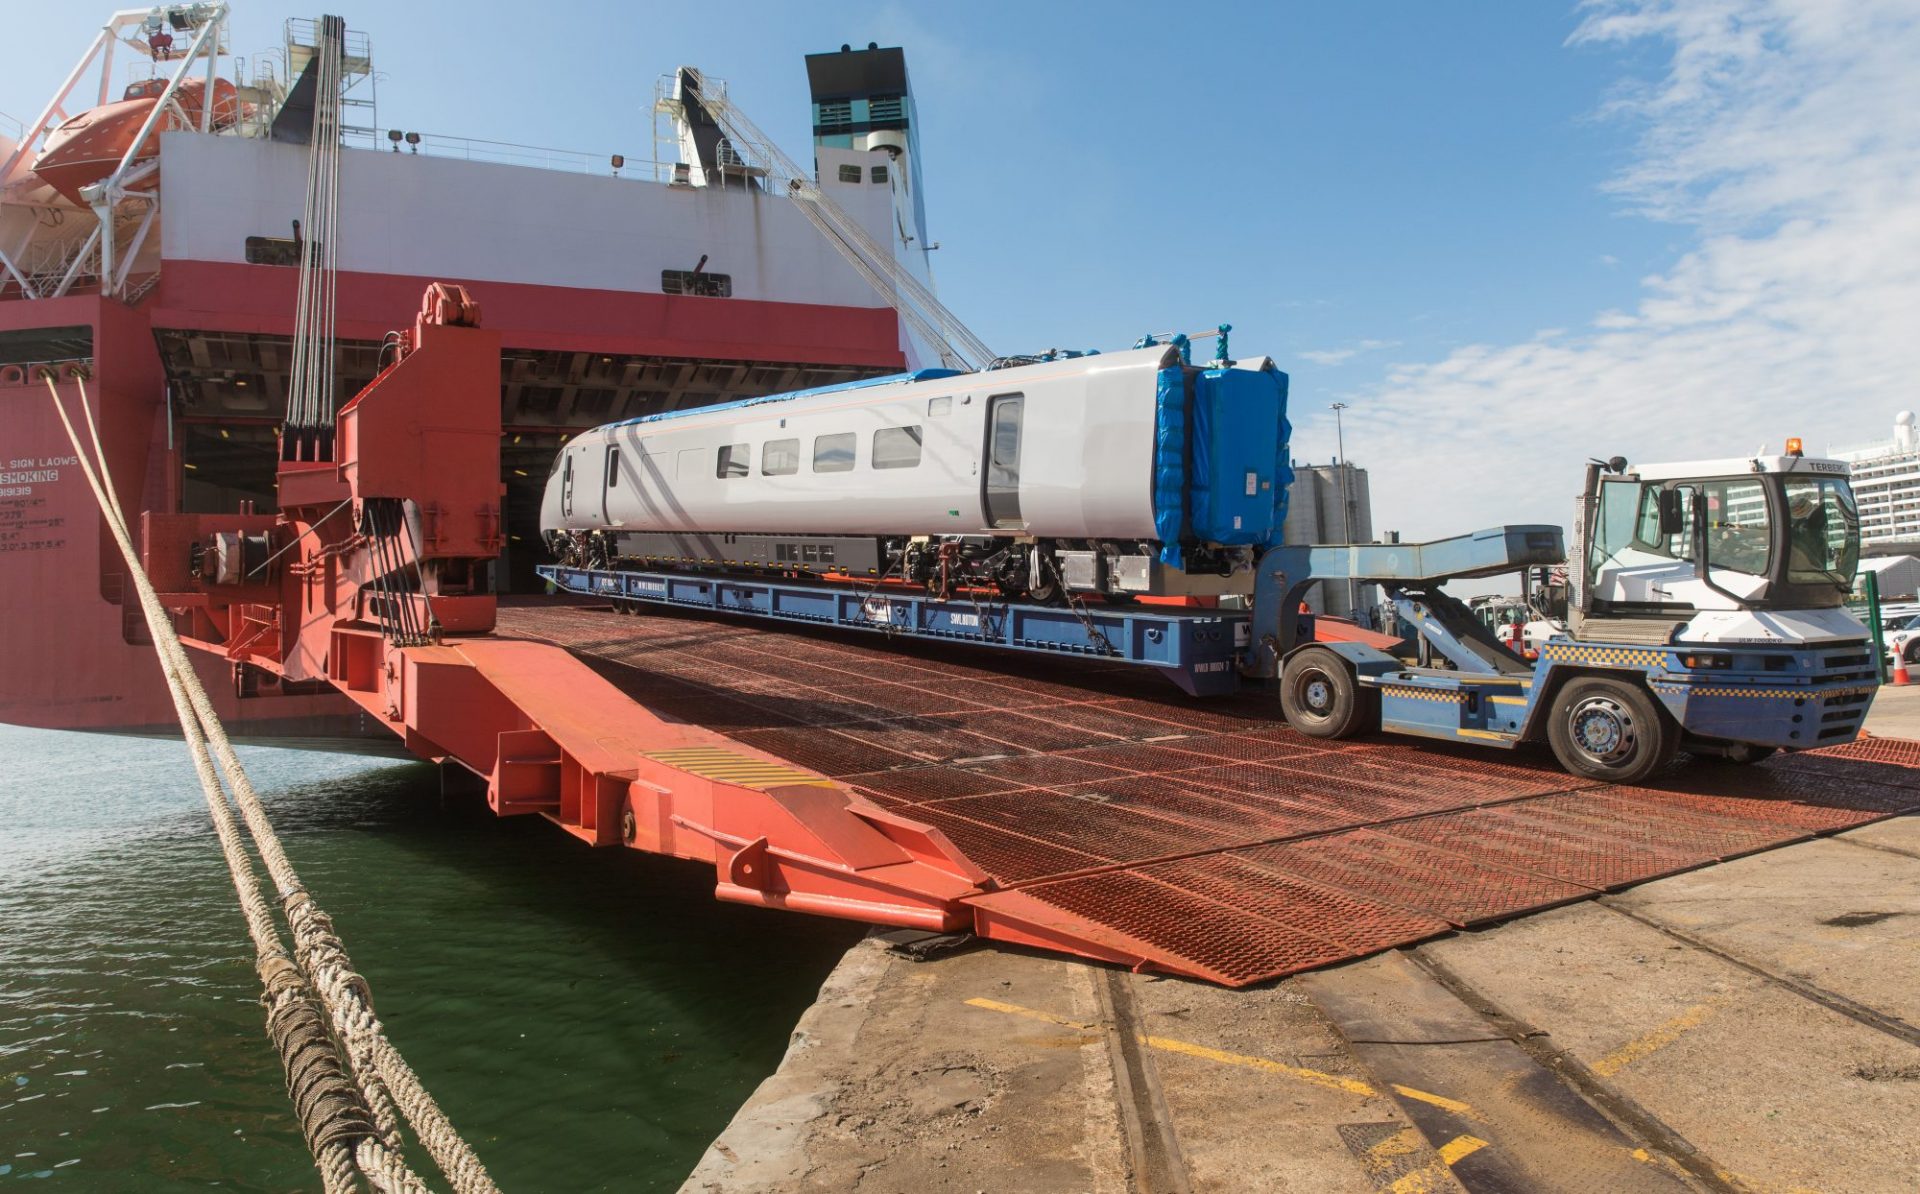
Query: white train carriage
(1124, 473)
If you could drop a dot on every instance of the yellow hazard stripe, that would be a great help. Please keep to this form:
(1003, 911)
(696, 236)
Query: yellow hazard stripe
(731, 767)
(1423, 694)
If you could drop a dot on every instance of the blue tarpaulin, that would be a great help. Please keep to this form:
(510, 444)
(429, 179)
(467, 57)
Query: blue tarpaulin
(1221, 463)
(1239, 457)
(1170, 463)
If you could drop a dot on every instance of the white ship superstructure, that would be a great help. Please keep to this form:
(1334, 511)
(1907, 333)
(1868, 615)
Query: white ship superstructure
(1886, 484)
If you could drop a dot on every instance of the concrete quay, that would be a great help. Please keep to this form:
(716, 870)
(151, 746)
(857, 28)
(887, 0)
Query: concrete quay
(1750, 1026)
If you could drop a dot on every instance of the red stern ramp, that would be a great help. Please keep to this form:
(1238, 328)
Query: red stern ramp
(1191, 838)
(586, 756)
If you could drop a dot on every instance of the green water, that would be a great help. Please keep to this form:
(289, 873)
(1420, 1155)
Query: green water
(589, 1018)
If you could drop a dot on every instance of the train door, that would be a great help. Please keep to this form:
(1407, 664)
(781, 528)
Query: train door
(1003, 460)
(566, 486)
(610, 482)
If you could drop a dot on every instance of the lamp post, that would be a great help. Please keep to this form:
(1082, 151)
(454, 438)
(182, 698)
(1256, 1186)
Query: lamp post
(1346, 502)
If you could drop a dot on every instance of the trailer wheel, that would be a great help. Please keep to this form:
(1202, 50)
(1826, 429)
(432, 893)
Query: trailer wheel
(1321, 697)
(1610, 730)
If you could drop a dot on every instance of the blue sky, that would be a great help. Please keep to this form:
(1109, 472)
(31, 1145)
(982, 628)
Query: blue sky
(1510, 234)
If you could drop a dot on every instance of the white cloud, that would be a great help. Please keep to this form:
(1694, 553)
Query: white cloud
(1336, 356)
(1328, 356)
(1784, 135)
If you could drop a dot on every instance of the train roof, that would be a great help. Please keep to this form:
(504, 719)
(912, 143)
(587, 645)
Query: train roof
(862, 384)
(1129, 356)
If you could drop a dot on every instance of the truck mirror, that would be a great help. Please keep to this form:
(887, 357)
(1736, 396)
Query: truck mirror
(1672, 512)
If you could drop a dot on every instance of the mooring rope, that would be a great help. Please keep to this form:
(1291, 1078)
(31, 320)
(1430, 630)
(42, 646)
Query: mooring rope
(350, 1125)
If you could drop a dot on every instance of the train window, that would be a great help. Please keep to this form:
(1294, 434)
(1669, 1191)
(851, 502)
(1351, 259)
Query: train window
(732, 461)
(833, 453)
(1006, 432)
(878, 174)
(939, 407)
(613, 465)
(896, 447)
(779, 457)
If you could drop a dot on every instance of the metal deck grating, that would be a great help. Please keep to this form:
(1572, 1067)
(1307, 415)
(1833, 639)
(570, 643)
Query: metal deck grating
(1047, 770)
(1248, 748)
(1143, 758)
(1900, 752)
(1242, 820)
(925, 740)
(1360, 924)
(1011, 857)
(912, 785)
(1463, 890)
(1149, 910)
(825, 751)
(1103, 720)
(897, 698)
(1115, 834)
(1030, 731)
(1536, 840)
(1204, 836)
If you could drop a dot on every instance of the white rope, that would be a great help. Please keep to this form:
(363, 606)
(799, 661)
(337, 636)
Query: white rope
(382, 1074)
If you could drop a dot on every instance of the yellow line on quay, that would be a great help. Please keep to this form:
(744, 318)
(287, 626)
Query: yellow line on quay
(1654, 1041)
(1353, 1086)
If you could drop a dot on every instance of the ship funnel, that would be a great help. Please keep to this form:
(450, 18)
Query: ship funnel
(1903, 431)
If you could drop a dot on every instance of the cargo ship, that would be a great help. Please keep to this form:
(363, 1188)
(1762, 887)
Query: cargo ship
(150, 236)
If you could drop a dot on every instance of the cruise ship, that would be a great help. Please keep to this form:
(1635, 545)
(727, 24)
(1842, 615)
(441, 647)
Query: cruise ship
(150, 234)
(1886, 483)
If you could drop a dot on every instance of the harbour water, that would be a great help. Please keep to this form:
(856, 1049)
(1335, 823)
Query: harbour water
(589, 1018)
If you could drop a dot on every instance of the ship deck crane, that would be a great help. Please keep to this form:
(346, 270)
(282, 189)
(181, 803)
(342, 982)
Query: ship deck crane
(747, 153)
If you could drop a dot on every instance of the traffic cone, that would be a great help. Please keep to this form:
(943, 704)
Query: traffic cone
(1900, 679)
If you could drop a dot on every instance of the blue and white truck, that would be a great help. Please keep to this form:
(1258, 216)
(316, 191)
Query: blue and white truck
(1706, 611)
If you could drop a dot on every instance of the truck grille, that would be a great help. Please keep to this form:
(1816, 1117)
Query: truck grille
(1842, 712)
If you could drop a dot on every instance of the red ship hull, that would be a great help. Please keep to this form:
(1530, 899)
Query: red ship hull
(73, 654)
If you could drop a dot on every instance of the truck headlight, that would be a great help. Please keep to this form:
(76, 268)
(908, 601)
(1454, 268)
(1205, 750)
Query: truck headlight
(1701, 661)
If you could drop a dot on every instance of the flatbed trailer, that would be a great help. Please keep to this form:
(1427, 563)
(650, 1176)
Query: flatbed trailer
(1199, 650)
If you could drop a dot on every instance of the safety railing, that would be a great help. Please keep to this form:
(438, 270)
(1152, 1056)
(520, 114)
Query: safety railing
(509, 153)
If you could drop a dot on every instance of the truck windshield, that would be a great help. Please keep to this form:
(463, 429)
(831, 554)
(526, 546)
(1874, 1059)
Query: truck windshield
(1823, 531)
(1739, 524)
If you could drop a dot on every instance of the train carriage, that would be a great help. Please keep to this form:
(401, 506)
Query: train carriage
(1129, 473)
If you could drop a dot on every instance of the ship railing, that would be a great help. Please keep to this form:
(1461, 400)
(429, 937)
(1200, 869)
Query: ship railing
(510, 153)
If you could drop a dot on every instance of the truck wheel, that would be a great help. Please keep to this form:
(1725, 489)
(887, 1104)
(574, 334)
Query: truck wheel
(1322, 699)
(1610, 730)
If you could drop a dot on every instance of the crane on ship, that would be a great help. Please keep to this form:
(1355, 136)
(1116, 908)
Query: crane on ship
(715, 130)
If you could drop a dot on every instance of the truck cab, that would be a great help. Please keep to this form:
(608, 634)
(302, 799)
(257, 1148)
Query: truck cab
(1743, 551)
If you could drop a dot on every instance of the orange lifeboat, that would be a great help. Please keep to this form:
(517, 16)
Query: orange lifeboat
(86, 148)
